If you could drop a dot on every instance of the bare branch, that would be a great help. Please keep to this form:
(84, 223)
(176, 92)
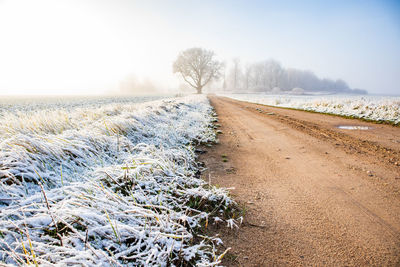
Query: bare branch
(197, 67)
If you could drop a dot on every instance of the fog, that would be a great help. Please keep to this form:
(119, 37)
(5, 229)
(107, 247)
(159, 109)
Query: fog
(122, 46)
(269, 76)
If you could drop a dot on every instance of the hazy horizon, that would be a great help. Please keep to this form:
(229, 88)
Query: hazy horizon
(94, 46)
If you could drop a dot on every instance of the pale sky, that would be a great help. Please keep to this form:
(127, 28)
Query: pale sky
(89, 46)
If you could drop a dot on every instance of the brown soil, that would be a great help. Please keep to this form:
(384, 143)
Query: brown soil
(312, 194)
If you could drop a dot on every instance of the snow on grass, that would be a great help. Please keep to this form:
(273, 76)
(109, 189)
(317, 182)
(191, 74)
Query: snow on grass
(22, 104)
(108, 184)
(376, 108)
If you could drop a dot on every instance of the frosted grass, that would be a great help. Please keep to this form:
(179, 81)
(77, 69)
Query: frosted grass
(120, 185)
(376, 108)
(24, 104)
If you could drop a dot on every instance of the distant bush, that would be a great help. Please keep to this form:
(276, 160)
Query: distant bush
(297, 91)
(276, 90)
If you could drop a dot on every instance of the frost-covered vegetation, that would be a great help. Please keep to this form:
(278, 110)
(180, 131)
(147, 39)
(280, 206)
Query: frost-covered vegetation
(22, 104)
(108, 183)
(377, 108)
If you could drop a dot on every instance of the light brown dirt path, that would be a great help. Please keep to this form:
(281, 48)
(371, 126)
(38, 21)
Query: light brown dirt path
(314, 195)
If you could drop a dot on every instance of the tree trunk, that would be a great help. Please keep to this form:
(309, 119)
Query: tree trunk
(199, 89)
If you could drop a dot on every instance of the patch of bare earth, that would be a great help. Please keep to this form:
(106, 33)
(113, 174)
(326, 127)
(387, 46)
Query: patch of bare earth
(312, 194)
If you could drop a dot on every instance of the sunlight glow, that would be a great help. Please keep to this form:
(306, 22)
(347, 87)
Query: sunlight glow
(68, 46)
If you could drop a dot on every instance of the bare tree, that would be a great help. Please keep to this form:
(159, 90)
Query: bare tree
(247, 76)
(236, 72)
(197, 67)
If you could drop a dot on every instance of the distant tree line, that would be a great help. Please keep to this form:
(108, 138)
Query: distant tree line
(270, 76)
(133, 85)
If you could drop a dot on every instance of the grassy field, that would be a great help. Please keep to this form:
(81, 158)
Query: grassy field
(384, 109)
(108, 181)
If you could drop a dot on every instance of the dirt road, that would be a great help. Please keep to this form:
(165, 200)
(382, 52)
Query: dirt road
(313, 194)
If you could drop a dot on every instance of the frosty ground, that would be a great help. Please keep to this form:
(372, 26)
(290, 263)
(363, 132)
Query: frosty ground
(375, 108)
(107, 182)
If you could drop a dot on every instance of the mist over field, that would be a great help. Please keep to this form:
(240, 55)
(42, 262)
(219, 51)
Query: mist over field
(128, 47)
(270, 77)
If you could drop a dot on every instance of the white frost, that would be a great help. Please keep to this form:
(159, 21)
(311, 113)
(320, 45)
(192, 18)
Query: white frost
(377, 108)
(119, 177)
